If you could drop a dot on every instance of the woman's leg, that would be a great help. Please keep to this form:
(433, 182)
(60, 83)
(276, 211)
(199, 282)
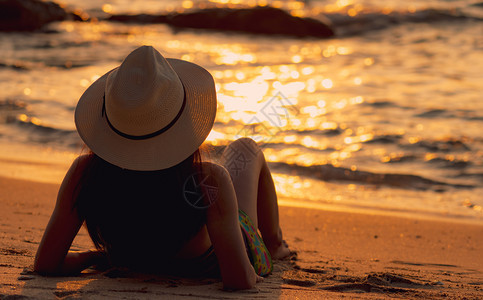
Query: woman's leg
(255, 191)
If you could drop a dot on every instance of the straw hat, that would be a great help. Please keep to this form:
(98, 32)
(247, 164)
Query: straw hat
(150, 113)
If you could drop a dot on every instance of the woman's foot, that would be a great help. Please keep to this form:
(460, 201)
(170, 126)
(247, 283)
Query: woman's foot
(279, 251)
(276, 245)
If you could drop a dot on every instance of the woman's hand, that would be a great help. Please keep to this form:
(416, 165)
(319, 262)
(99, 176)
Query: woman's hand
(76, 262)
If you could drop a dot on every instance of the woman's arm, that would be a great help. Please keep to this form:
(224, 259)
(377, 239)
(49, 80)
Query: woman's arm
(52, 256)
(225, 234)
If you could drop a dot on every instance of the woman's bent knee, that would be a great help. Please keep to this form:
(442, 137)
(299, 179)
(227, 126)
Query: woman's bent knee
(244, 147)
(246, 143)
(241, 153)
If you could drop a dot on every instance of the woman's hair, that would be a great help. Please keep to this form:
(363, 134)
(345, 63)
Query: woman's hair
(140, 218)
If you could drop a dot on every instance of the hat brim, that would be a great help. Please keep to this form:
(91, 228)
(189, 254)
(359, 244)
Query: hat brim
(164, 150)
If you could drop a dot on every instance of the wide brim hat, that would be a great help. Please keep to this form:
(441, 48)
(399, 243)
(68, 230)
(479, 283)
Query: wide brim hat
(150, 113)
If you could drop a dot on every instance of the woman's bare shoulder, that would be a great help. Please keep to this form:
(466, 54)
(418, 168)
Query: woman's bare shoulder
(83, 159)
(76, 171)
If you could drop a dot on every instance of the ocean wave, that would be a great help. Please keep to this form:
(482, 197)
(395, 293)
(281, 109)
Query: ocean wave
(31, 123)
(476, 118)
(58, 63)
(380, 104)
(329, 172)
(325, 132)
(443, 145)
(29, 129)
(12, 105)
(478, 176)
(10, 109)
(400, 158)
(385, 139)
(445, 113)
(352, 25)
(427, 113)
(18, 66)
(445, 162)
(384, 103)
(433, 113)
(55, 44)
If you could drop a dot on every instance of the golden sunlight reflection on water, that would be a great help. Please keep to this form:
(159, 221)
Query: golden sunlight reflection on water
(290, 97)
(248, 95)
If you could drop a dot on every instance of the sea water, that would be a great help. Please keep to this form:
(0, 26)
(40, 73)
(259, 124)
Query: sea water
(385, 116)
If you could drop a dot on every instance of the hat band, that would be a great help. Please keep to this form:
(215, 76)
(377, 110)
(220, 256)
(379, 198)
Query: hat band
(146, 136)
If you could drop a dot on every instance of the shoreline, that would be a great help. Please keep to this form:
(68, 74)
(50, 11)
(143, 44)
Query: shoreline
(383, 212)
(340, 254)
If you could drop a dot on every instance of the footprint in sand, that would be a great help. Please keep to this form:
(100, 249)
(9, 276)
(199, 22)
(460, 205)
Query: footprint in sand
(298, 282)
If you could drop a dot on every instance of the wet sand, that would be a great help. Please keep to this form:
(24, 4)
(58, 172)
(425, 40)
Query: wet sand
(339, 255)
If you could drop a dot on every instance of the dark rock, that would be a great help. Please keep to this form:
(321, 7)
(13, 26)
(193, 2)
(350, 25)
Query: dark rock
(28, 15)
(257, 20)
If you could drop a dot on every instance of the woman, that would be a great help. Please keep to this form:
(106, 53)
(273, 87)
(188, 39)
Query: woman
(148, 201)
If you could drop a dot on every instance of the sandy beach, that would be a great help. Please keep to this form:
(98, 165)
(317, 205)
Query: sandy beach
(339, 255)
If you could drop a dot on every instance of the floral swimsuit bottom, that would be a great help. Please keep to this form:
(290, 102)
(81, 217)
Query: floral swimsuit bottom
(256, 249)
(206, 265)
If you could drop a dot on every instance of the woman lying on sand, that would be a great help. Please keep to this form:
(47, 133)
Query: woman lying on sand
(148, 201)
